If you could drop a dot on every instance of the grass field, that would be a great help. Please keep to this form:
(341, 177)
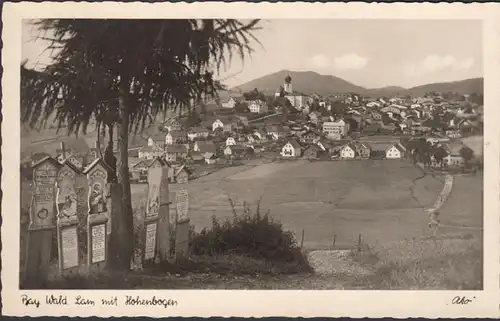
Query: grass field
(381, 200)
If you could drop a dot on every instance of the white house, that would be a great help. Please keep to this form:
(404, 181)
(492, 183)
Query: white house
(396, 151)
(372, 104)
(230, 141)
(216, 124)
(257, 106)
(230, 103)
(175, 137)
(197, 132)
(291, 149)
(348, 152)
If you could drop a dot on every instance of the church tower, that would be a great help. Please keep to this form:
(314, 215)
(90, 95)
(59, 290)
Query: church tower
(288, 85)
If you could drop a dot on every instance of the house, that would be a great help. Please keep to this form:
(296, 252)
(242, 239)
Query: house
(229, 103)
(176, 137)
(335, 129)
(230, 141)
(150, 152)
(210, 158)
(261, 135)
(363, 150)
(315, 117)
(229, 126)
(205, 147)
(396, 151)
(235, 151)
(348, 151)
(175, 153)
(311, 152)
(276, 131)
(309, 137)
(181, 175)
(299, 102)
(198, 132)
(197, 157)
(454, 159)
(217, 124)
(139, 171)
(453, 133)
(243, 120)
(258, 106)
(172, 124)
(157, 140)
(291, 149)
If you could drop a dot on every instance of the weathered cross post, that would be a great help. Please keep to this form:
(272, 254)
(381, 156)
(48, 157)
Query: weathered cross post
(155, 172)
(97, 176)
(67, 219)
(182, 226)
(42, 219)
(163, 237)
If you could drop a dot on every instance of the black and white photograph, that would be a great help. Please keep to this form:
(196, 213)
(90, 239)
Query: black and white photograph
(251, 154)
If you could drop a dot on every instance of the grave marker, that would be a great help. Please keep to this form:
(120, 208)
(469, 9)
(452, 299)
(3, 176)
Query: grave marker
(67, 219)
(164, 228)
(42, 218)
(97, 176)
(182, 226)
(155, 172)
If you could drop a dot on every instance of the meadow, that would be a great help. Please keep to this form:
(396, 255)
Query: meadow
(384, 201)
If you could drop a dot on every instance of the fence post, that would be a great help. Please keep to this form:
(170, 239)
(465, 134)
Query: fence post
(302, 239)
(334, 239)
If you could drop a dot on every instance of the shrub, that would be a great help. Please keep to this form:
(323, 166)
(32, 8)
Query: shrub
(253, 235)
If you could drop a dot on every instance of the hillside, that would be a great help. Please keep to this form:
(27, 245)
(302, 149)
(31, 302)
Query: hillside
(467, 86)
(309, 82)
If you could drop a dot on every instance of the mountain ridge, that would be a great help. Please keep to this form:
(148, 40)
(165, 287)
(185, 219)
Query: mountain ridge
(311, 82)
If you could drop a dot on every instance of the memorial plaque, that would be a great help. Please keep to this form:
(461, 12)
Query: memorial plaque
(98, 217)
(149, 252)
(154, 182)
(182, 204)
(42, 209)
(69, 246)
(66, 194)
(98, 243)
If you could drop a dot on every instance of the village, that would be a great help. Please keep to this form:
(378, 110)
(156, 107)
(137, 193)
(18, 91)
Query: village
(340, 127)
(316, 129)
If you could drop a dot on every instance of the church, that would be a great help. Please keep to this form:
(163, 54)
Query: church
(298, 101)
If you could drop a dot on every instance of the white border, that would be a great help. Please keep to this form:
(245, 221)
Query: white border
(398, 304)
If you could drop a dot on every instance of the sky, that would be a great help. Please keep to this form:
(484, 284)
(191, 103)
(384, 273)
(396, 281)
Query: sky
(369, 53)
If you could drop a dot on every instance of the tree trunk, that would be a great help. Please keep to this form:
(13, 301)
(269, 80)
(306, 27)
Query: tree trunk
(121, 242)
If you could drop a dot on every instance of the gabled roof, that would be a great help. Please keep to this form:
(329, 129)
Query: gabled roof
(400, 148)
(157, 137)
(294, 143)
(177, 133)
(206, 146)
(147, 149)
(199, 129)
(176, 148)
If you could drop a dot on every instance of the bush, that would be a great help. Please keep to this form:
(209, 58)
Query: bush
(252, 235)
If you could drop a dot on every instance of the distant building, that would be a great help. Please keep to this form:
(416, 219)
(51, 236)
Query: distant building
(198, 132)
(150, 152)
(335, 129)
(173, 124)
(175, 153)
(230, 103)
(396, 151)
(258, 106)
(176, 137)
(291, 149)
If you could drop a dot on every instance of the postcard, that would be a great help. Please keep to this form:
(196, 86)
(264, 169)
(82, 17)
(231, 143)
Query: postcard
(251, 159)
